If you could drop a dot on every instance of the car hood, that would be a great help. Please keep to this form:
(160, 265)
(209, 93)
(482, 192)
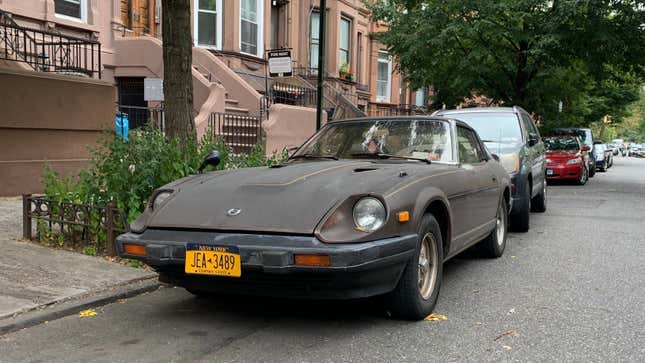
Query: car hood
(288, 199)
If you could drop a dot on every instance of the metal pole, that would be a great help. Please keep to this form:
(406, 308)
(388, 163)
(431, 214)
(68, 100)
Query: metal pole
(321, 63)
(110, 245)
(26, 216)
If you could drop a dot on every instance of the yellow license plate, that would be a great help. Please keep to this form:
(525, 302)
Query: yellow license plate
(213, 260)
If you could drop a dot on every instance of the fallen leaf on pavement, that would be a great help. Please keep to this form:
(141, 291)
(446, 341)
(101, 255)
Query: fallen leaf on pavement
(87, 313)
(435, 317)
(506, 347)
(512, 333)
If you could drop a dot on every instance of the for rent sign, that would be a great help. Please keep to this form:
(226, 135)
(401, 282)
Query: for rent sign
(280, 63)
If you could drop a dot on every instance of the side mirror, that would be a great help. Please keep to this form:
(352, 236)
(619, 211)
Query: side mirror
(533, 140)
(495, 156)
(586, 148)
(211, 159)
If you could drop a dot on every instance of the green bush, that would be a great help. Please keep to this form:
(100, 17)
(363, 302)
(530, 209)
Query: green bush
(128, 172)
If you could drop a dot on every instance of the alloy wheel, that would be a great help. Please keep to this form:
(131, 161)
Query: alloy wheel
(500, 227)
(585, 175)
(428, 265)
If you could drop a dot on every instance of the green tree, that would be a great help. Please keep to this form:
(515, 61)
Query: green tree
(532, 53)
(177, 60)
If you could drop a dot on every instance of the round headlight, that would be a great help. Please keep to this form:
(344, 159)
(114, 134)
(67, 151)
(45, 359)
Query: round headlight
(159, 199)
(369, 214)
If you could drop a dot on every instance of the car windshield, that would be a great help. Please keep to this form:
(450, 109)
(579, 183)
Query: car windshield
(567, 144)
(402, 138)
(599, 147)
(492, 127)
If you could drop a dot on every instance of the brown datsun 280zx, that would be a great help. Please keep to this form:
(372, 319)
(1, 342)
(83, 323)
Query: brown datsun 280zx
(365, 207)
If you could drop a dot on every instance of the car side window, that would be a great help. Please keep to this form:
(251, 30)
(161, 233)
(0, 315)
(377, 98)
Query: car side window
(530, 127)
(468, 145)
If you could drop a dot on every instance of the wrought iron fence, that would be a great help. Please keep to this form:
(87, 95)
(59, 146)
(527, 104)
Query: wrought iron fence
(47, 51)
(74, 223)
(306, 72)
(290, 94)
(240, 132)
(139, 116)
(396, 110)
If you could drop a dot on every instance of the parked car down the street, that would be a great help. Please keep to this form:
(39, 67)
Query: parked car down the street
(602, 156)
(566, 159)
(586, 136)
(510, 133)
(365, 207)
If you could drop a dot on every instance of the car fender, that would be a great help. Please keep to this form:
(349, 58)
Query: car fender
(424, 199)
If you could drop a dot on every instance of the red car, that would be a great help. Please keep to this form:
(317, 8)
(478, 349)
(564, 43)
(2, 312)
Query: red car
(566, 159)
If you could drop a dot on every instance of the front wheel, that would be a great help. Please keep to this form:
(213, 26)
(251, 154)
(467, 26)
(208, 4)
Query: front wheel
(538, 203)
(584, 177)
(520, 218)
(494, 245)
(592, 170)
(415, 296)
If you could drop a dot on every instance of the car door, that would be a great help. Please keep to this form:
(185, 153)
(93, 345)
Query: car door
(475, 203)
(535, 153)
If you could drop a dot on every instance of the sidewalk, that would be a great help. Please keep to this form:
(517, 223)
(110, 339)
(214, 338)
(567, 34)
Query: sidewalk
(33, 277)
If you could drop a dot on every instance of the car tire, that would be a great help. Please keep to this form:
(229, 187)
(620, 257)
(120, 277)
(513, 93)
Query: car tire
(414, 298)
(592, 171)
(494, 245)
(520, 218)
(584, 178)
(538, 203)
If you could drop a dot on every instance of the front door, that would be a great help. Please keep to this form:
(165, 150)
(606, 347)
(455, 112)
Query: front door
(475, 203)
(131, 101)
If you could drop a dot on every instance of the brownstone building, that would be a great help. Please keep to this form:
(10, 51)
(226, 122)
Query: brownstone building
(87, 56)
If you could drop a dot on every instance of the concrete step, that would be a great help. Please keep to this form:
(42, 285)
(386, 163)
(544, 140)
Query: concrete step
(230, 101)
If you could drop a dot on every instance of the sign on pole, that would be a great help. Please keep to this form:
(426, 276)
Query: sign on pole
(280, 63)
(153, 89)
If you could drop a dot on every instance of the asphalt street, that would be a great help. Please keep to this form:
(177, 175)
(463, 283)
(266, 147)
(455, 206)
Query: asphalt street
(572, 289)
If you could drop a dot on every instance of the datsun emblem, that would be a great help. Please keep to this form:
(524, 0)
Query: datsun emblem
(233, 212)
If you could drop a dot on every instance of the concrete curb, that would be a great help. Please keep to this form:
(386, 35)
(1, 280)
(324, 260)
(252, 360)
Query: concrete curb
(72, 306)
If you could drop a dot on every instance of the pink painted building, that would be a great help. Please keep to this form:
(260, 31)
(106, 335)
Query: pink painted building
(118, 43)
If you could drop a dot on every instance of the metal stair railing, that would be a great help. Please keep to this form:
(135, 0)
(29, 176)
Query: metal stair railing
(47, 51)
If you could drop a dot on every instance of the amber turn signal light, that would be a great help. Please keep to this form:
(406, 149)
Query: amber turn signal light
(137, 250)
(403, 216)
(313, 260)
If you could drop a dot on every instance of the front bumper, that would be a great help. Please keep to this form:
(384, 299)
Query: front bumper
(564, 171)
(268, 268)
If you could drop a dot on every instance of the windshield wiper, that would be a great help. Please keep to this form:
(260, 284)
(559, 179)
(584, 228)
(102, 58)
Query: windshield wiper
(313, 156)
(390, 156)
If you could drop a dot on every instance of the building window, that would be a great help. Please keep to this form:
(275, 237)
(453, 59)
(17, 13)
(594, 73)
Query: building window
(251, 27)
(383, 77)
(208, 24)
(73, 9)
(314, 39)
(359, 57)
(420, 97)
(345, 34)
